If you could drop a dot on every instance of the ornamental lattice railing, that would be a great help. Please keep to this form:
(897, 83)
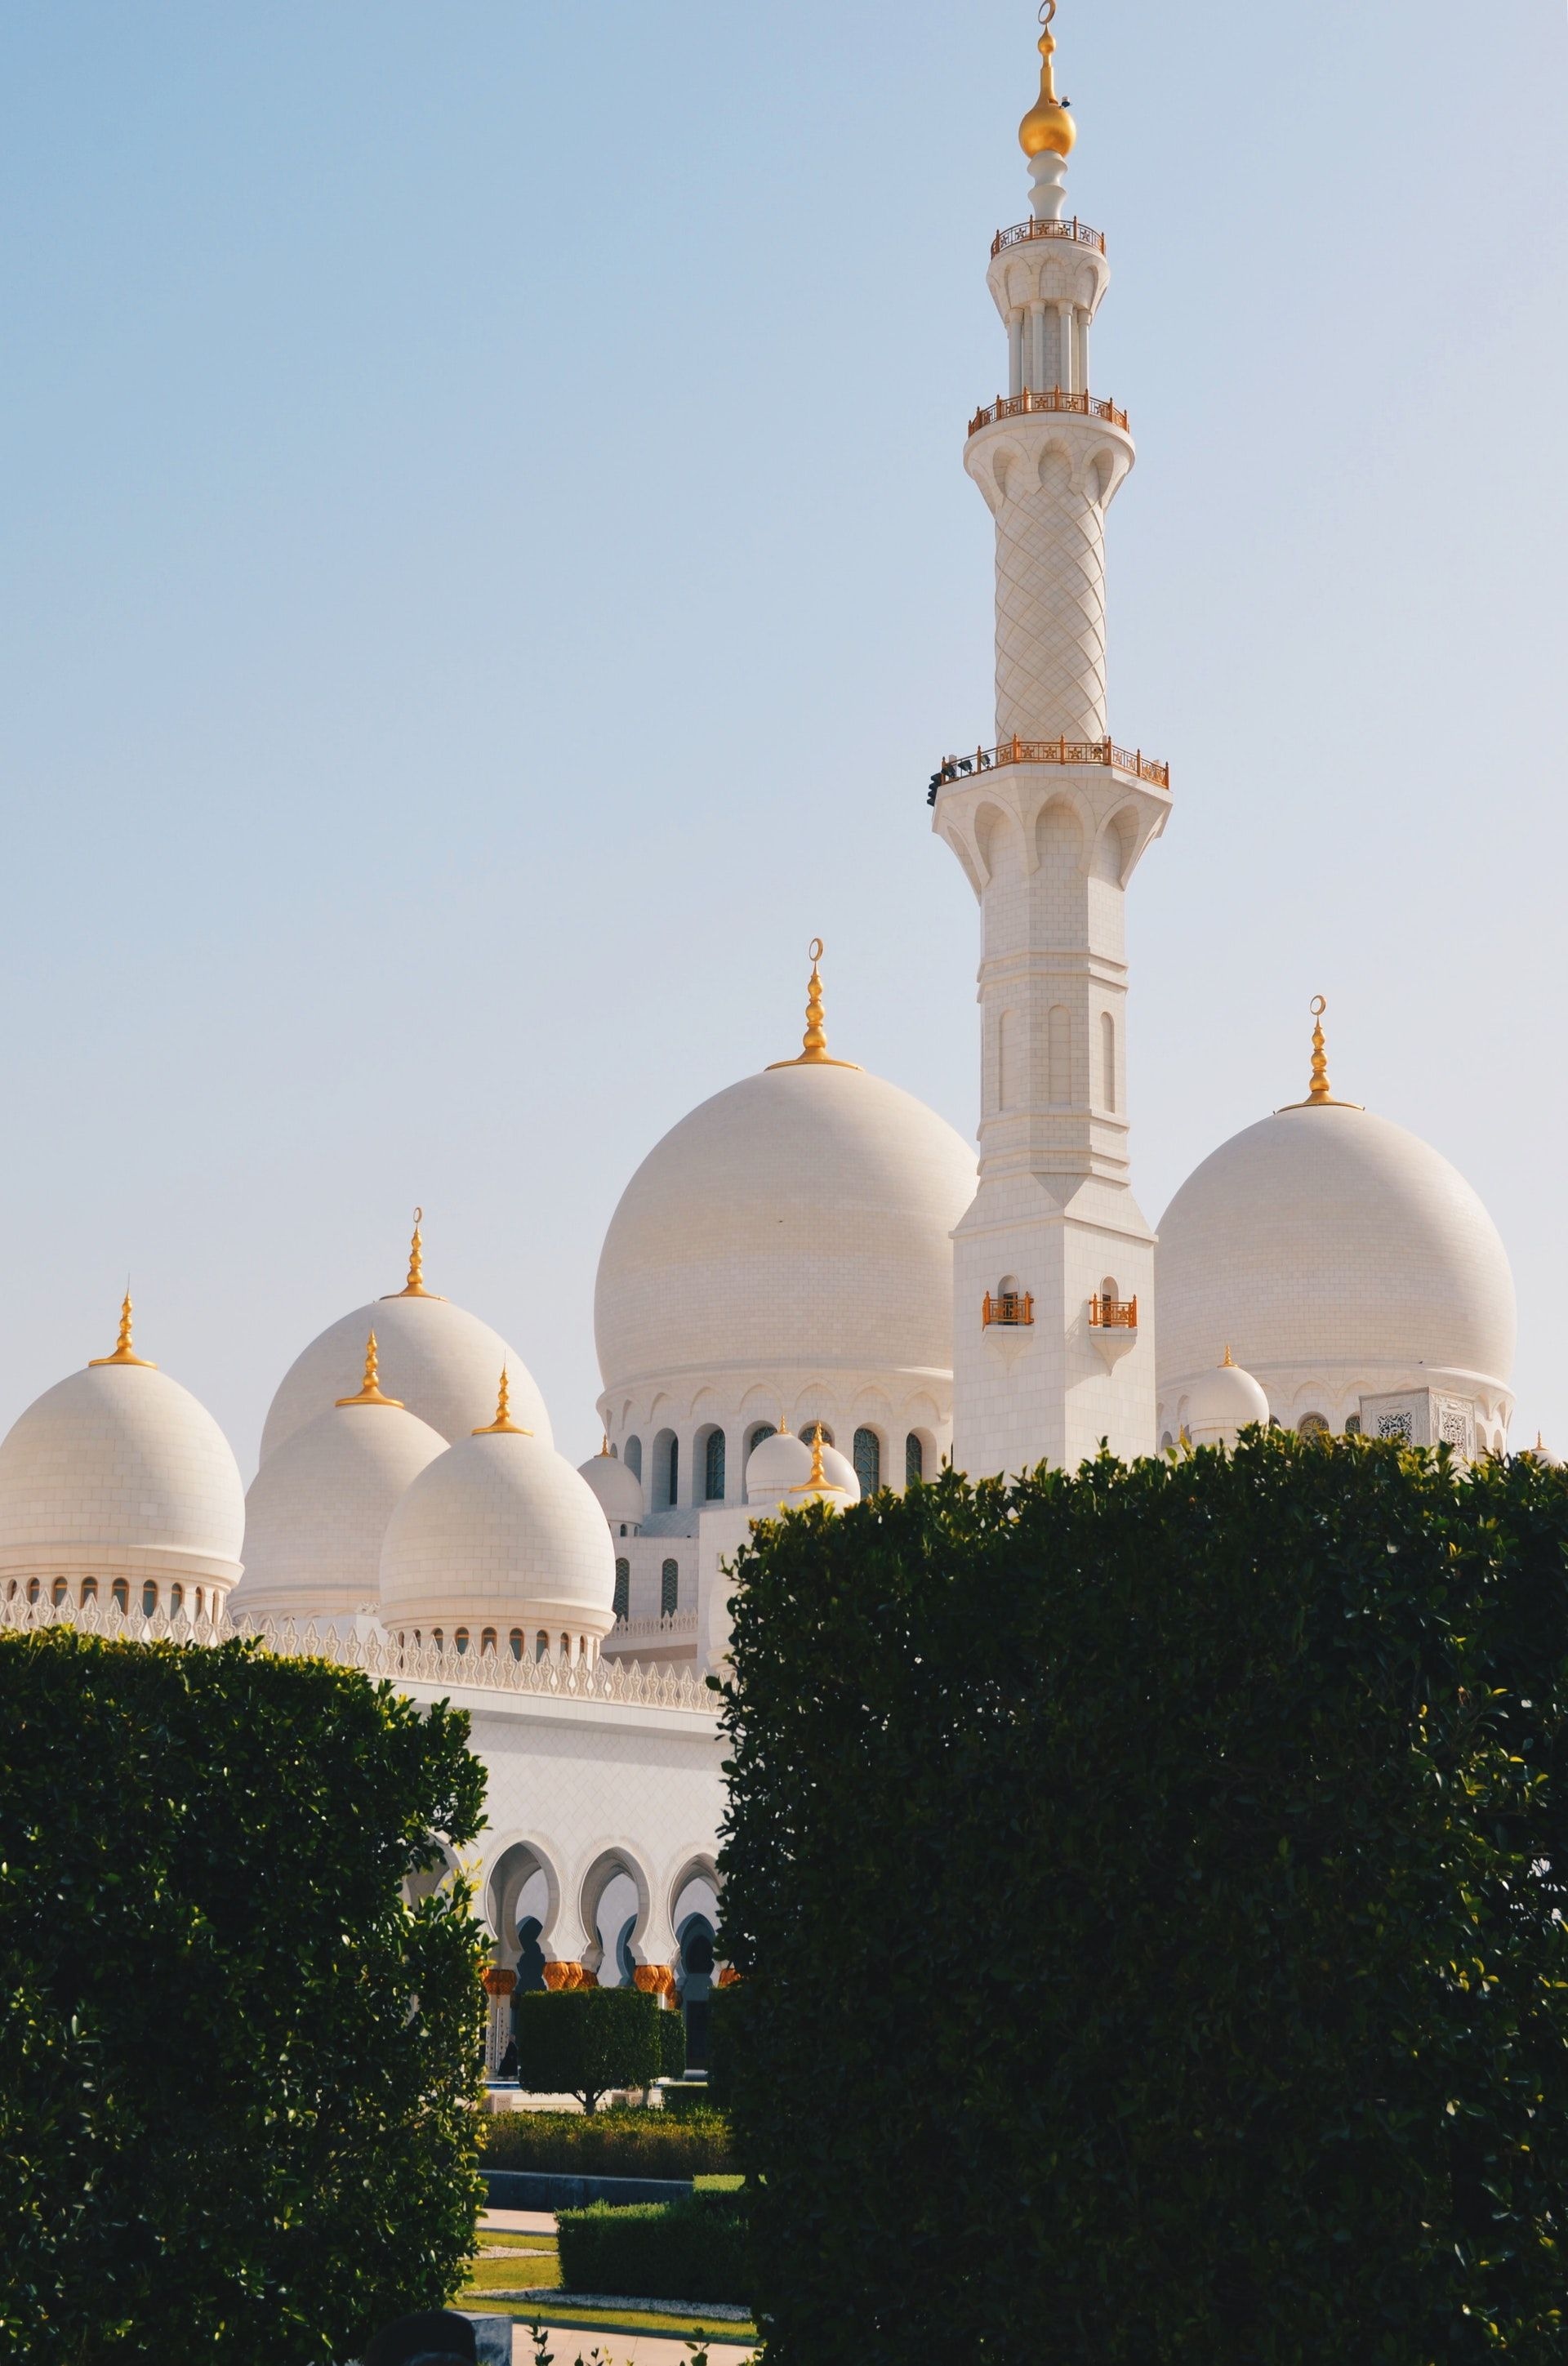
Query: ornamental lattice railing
(1052, 398)
(1075, 233)
(1114, 1313)
(1053, 751)
(603, 1683)
(659, 1628)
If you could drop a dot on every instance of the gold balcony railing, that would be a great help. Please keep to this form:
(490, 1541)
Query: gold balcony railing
(1051, 752)
(1054, 398)
(1114, 1313)
(1010, 1306)
(1077, 233)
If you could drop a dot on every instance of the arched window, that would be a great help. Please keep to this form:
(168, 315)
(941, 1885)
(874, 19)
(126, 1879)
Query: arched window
(515, 1641)
(1312, 1424)
(668, 1589)
(461, 1638)
(61, 1591)
(914, 1461)
(439, 1637)
(634, 1457)
(1353, 1425)
(565, 1647)
(754, 1439)
(1108, 1059)
(713, 1475)
(868, 1461)
(487, 1643)
(121, 1596)
(1167, 1441)
(89, 1591)
(176, 1600)
(148, 1599)
(674, 1481)
(541, 1646)
(35, 1591)
(198, 1600)
(623, 1589)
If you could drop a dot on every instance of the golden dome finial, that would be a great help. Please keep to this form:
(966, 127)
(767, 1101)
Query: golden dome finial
(1320, 1092)
(414, 1286)
(124, 1352)
(370, 1388)
(1230, 1359)
(503, 1425)
(817, 1485)
(1047, 129)
(813, 1052)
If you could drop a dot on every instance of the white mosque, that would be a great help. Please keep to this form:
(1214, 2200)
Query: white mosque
(808, 1291)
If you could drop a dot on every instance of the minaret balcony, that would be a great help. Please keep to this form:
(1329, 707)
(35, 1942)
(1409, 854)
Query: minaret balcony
(1013, 1308)
(1049, 399)
(1075, 233)
(1050, 751)
(1114, 1313)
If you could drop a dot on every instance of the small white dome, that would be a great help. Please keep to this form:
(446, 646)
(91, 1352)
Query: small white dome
(775, 1465)
(617, 1491)
(318, 1509)
(780, 1466)
(1336, 1253)
(1542, 1453)
(500, 1530)
(118, 1471)
(1223, 1404)
(440, 1361)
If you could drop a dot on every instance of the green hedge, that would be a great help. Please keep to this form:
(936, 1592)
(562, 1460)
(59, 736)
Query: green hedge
(584, 2042)
(671, 2026)
(237, 2071)
(630, 2143)
(694, 2250)
(1145, 1884)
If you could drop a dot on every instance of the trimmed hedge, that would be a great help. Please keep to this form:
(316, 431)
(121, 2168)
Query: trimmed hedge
(237, 2071)
(624, 2143)
(585, 2042)
(671, 2045)
(694, 2250)
(1192, 1839)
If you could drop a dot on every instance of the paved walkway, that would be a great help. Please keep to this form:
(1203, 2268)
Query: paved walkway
(570, 2342)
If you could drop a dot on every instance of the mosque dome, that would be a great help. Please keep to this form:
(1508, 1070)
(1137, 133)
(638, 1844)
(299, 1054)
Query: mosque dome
(1224, 1402)
(499, 1531)
(318, 1509)
(781, 1465)
(440, 1361)
(617, 1490)
(1336, 1252)
(801, 1219)
(119, 1473)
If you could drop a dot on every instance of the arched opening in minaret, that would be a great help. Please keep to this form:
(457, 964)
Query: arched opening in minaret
(665, 1470)
(868, 1461)
(1107, 1060)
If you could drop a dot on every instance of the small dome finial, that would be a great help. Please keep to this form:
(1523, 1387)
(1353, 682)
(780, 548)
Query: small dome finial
(1047, 129)
(124, 1352)
(813, 1052)
(414, 1286)
(1230, 1359)
(1320, 1089)
(370, 1388)
(818, 1487)
(503, 1425)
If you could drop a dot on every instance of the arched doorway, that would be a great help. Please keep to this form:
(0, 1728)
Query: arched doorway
(695, 1938)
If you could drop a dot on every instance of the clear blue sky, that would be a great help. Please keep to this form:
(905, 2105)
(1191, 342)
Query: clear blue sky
(487, 572)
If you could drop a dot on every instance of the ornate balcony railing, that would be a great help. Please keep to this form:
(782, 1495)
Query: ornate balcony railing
(662, 1627)
(1013, 1307)
(1050, 751)
(1114, 1313)
(1052, 398)
(1075, 233)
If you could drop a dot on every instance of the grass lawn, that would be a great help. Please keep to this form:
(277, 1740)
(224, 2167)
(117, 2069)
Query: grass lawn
(522, 2264)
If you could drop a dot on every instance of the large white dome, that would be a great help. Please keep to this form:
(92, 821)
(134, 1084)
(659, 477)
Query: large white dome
(440, 1362)
(802, 1220)
(118, 1472)
(1332, 1251)
(317, 1511)
(500, 1530)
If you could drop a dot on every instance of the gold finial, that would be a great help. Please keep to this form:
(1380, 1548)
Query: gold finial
(503, 1425)
(414, 1286)
(370, 1388)
(819, 1486)
(605, 1449)
(1320, 1092)
(1230, 1359)
(1047, 127)
(813, 1052)
(124, 1352)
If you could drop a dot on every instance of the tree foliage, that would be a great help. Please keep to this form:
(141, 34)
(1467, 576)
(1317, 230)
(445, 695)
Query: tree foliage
(237, 2069)
(583, 2042)
(1147, 1885)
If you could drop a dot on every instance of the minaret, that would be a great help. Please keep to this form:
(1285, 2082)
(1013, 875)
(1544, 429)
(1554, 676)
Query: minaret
(1053, 1264)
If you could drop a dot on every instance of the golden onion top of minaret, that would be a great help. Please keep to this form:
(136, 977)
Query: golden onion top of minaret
(814, 1052)
(1047, 129)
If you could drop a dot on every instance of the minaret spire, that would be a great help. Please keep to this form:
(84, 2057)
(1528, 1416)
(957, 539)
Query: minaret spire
(1049, 825)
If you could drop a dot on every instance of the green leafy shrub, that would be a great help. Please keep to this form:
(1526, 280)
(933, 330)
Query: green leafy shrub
(583, 2042)
(1214, 2006)
(237, 2070)
(692, 2251)
(689, 2096)
(624, 2143)
(672, 2045)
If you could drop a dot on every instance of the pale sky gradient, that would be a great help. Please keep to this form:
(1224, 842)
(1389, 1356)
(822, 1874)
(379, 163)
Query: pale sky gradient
(487, 572)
